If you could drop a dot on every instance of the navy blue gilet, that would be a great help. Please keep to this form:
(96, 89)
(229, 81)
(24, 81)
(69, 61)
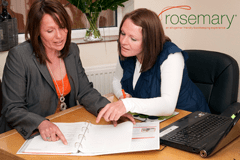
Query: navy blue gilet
(148, 85)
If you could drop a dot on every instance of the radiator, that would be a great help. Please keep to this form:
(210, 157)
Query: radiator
(101, 77)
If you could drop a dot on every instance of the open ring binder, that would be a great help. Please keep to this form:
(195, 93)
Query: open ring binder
(87, 139)
(82, 136)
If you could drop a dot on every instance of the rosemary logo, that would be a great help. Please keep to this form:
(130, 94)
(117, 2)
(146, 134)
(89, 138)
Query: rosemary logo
(195, 21)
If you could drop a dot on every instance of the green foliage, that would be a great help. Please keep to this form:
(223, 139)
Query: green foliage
(88, 6)
(92, 8)
(146, 116)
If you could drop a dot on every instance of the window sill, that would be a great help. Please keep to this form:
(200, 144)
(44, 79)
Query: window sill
(81, 41)
(105, 39)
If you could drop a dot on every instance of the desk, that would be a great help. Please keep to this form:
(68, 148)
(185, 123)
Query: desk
(11, 141)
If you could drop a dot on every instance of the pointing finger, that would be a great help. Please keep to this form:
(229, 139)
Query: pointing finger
(61, 136)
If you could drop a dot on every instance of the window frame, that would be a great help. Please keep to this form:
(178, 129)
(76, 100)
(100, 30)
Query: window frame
(80, 33)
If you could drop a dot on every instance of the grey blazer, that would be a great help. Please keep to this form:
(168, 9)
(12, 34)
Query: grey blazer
(29, 94)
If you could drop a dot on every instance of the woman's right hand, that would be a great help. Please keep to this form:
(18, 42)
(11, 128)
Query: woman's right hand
(50, 132)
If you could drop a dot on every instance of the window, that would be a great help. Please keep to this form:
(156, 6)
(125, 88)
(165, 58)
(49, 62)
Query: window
(108, 21)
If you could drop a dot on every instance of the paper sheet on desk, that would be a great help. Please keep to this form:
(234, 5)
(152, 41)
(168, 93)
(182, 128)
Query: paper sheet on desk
(98, 144)
(145, 136)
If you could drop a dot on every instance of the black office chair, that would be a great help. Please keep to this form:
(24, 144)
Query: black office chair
(217, 76)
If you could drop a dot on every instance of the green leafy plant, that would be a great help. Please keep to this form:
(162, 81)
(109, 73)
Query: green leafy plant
(92, 8)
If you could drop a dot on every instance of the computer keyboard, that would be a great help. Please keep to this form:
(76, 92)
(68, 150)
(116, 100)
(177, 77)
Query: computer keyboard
(199, 130)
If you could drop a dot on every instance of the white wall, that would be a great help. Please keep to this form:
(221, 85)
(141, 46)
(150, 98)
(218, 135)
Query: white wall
(3, 56)
(208, 37)
(94, 54)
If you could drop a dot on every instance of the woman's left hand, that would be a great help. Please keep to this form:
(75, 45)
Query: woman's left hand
(112, 111)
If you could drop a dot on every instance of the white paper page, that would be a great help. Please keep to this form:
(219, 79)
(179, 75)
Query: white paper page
(69, 130)
(107, 138)
(145, 136)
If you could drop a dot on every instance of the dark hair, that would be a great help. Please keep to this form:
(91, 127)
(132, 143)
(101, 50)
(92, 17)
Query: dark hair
(38, 9)
(153, 37)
